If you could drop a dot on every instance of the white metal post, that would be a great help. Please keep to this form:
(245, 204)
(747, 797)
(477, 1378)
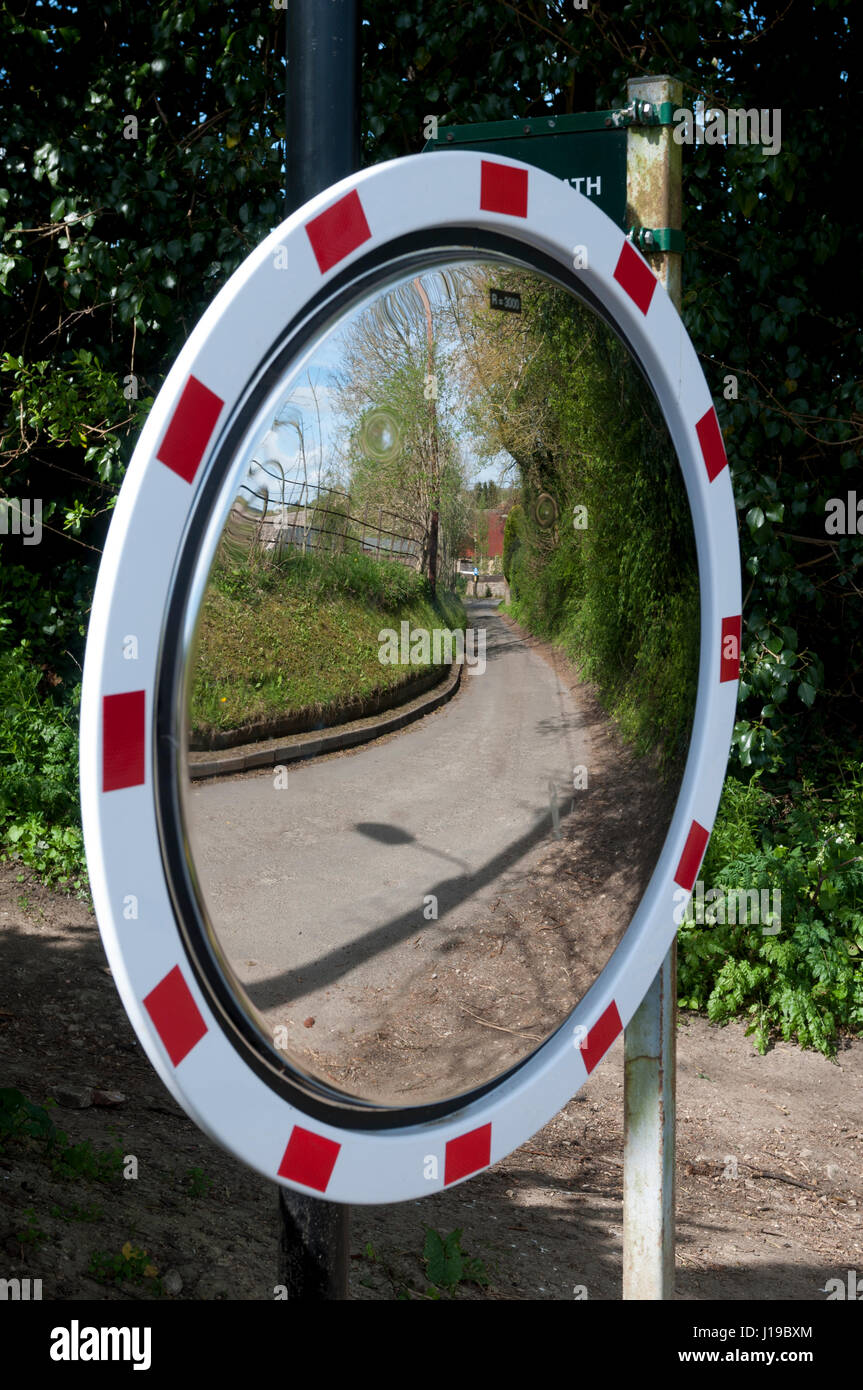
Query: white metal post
(653, 199)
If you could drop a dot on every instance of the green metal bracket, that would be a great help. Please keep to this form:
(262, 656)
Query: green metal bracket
(638, 113)
(657, 239)
(483, 131)
(642, 113)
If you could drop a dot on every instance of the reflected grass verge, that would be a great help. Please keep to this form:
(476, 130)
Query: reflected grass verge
(302, 636)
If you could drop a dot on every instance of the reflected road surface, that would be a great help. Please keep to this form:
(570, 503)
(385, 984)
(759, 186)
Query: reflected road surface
(329, 878)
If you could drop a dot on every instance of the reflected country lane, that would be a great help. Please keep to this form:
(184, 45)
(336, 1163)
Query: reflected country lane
(367, 894)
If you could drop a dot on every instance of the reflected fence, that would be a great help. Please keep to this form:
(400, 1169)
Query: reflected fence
(314, 517)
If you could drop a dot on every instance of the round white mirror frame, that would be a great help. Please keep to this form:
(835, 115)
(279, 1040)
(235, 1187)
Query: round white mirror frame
(180, 1031)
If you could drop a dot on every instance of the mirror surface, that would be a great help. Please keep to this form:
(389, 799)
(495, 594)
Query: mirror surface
(467, 789)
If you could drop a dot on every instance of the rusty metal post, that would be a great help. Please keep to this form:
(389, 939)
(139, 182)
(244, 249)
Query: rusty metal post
(653, 199)
(654, 177)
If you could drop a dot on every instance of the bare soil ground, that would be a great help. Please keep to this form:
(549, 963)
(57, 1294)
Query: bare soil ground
(770, 1162)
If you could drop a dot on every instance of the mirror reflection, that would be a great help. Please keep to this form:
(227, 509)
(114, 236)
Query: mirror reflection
(442, 683)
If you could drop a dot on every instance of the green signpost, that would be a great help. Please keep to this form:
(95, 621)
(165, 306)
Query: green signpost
(587, 150)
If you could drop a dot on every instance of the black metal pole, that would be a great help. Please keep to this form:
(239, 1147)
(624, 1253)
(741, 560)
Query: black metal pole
(313, 1247)
(323, 96)
(322, 146)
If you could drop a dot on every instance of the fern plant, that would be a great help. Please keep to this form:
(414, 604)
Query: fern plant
(804, 982)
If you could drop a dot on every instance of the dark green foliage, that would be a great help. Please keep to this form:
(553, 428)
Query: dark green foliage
(110, 248)
(22, 1122)
(83, 1161)
(76, 1212)
(39, 809)
(512, 539)
(20, 1119)
(487, 494)
(131, 1266)
(447, 1265)
(197, 1182)
(619, 589)
(806, 981)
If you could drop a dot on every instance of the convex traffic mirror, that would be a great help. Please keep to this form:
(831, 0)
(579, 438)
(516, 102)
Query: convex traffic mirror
(407, 921)
(378, 879)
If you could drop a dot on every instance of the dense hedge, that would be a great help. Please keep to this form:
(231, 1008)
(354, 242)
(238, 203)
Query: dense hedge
(601, 557)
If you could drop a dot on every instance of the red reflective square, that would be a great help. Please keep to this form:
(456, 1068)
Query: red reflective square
(603, 1033)
(503, 189)
(635, 276)
(123, 740)
(191, 425)
(309, 1159)
(338, 231)
(693, 853)
(467, 1154)
(176, 1017)
(712, 447)
(729, 660)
